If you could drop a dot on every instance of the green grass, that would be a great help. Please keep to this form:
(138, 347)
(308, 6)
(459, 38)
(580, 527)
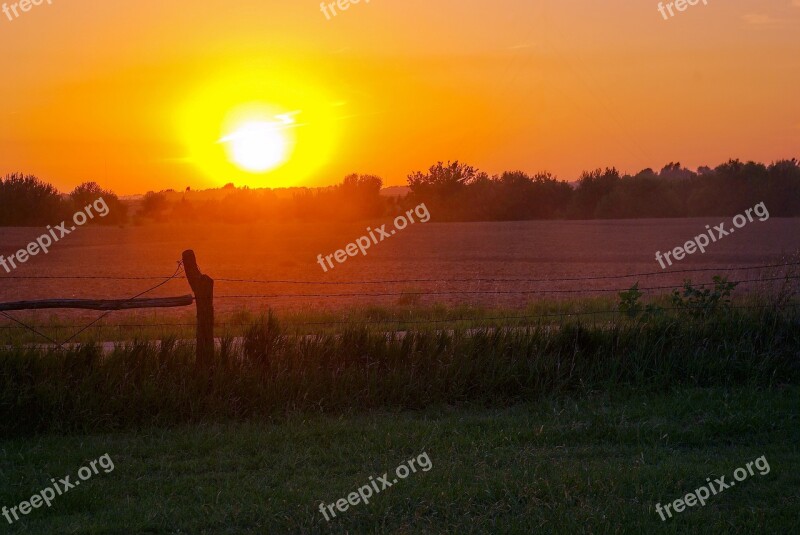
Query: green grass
(577, 426)
(597, 464)
(271, 373)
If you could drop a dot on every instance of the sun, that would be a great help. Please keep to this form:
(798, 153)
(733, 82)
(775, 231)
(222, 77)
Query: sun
(256, 126)
(258, 146)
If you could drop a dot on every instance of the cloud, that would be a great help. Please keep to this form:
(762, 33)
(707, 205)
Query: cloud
(759, 19)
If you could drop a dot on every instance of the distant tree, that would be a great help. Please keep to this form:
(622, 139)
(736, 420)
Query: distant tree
(593, 186)
(359, 196)
(782, 191)
(154, 205)
(246, 206)
(442, 178)
(443, 187)
(354, 183)
(28, 201)
(646, 173)
(89, 192)
(674, 171)
(550, 196)
(785, 169)
(704, 170)
(482, 199)
(515, 192)
(642, 196)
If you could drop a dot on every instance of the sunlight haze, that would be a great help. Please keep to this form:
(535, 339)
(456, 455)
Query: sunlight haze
(135, 95)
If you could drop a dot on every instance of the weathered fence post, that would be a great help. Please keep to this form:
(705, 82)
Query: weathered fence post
(203, 288)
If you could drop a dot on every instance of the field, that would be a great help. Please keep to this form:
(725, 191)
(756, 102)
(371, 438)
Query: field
(540, 412)
(544, 250)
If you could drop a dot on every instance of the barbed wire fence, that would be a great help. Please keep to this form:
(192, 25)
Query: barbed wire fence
(179, 274)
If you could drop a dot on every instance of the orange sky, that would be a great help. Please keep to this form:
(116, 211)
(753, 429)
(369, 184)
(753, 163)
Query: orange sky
(134, 94)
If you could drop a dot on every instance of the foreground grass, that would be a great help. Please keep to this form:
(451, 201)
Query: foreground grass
(561, 465)
(406, 314)
(269, 373)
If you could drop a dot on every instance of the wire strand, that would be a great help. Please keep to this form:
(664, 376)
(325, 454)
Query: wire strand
(32, 329)
(399, 281)
(180, 266)
(413, 322)
(481, 292)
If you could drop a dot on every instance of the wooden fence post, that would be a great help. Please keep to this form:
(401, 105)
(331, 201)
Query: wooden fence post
(203, 288)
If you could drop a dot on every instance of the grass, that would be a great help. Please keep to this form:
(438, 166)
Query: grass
(407, 313)
(575, 426)
(270, 373)
(595, 464)
(153, 326)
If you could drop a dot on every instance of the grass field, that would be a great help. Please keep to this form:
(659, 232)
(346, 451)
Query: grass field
(545, 415)
(270, 372)
(561, 465)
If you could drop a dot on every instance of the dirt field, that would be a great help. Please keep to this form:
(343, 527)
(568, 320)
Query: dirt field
(538, 250)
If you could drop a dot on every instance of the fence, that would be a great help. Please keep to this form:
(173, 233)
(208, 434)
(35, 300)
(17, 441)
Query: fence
(203, 297)
(202, 286)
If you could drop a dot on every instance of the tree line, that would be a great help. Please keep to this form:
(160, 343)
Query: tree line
(26, 201)
(459, 192)
(452, 191)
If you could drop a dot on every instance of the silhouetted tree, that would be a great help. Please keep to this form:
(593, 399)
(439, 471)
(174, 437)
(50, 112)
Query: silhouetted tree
(154, 206)
(452, 191)
(359, 196)
(442, 188)
(28, 201)
(89, 192)
(593, 186)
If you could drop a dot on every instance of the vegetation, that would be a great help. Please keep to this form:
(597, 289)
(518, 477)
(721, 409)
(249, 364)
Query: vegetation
(594, 465)
(270, 371)
(566, 425)
(458, 192)
(89, 192)
(28, 201)
(699, 302)
(453, 192)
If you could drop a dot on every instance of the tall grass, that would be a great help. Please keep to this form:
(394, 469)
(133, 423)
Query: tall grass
(269, 372)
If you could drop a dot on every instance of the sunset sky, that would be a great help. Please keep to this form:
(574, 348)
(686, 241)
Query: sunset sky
(148, 95)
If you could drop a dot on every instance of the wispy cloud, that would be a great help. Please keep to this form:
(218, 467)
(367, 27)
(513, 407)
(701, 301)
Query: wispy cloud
(760, 19)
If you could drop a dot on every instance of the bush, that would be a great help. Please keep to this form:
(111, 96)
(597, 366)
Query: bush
(706, 302)
(27, 201)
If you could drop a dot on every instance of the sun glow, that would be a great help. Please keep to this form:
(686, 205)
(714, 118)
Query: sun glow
(258, 129)
(259, 146)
